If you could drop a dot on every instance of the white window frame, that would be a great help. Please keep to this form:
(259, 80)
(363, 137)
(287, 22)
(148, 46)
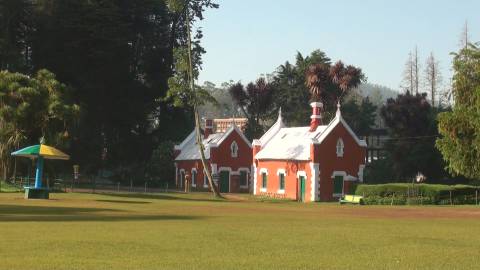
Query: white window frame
(340, 147)
(342, 174)
(205, 181)
(262, 171)
(234, 149)
(246, 170)
(194, 180)
(182, 181)
(279, 172)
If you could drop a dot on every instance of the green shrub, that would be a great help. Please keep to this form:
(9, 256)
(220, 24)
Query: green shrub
(417, 194)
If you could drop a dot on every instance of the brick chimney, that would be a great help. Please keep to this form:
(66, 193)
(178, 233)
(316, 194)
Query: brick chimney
(208, 127)
(317, 110)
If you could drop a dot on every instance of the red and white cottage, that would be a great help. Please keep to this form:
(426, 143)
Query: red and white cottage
(228, 152)
(314, 163)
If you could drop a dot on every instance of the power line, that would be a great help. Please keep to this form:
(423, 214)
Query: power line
(407, 138)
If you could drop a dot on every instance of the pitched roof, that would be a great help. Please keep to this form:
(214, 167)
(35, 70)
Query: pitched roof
(189, 148)
(283, 143)
(290, 143)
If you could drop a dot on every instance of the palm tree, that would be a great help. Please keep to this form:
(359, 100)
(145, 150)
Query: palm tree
(332, 82)
(346, 78)
(317, 79)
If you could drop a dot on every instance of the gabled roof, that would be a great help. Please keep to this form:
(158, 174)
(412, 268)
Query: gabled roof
(281, 143)
(189, 148)
(290, 143)
(338, 120)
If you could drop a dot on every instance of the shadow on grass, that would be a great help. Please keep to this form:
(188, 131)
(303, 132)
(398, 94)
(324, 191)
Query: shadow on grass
(20, 213)
(119, 201)
(163, 196)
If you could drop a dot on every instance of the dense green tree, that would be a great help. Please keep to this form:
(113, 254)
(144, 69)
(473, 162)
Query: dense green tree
(33, 108)
(360, 115)
(412, 126)
(15, 30)
(292, 92)
(118, 57)
(460, 128)
(255, 102)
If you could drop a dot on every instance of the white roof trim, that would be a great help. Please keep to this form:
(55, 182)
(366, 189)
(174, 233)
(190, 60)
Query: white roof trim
(339, 119)
(273, 130)
(228, 132)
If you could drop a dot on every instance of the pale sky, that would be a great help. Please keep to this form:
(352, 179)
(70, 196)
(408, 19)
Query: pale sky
(245, 38)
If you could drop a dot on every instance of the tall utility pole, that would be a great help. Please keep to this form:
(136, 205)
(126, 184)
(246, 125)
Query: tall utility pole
(205, 164)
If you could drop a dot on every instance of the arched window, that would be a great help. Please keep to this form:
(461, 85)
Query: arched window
(340, 147)
(234, 149)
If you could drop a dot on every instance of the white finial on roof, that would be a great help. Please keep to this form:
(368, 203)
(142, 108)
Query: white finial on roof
(280, 118)
(338, 113)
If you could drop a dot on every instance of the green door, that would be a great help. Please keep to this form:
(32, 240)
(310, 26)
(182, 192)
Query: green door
(302, 188)
(224, 182)
(338, 185)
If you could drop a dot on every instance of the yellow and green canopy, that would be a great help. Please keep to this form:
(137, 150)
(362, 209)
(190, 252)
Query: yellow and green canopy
(41, 150)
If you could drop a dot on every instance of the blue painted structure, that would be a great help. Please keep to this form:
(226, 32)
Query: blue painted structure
(39, 172)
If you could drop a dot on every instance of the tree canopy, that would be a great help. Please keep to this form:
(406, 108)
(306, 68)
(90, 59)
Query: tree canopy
(33, 108)
(312, 77)
(460, 128)
(255, 102)
(117, 58)
(411, 121)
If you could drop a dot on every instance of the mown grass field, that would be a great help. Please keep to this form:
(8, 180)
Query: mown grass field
(174, 231)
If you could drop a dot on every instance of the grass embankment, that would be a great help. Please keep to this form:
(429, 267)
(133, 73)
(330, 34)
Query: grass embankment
(6, 187)
(87, 231)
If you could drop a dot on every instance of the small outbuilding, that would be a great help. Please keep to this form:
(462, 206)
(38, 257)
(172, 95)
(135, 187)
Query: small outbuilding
(228, 152)
(313, 163)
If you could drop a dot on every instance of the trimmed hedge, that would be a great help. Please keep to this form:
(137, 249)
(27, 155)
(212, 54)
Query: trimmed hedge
(405, 193)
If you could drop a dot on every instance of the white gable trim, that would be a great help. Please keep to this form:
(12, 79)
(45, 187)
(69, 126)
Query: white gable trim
(271, 132)
(333, 124)
(229, 131)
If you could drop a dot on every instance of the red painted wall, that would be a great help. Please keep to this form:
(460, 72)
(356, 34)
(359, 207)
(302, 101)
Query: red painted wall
(326, 155)
(221, 156)
(353, 156)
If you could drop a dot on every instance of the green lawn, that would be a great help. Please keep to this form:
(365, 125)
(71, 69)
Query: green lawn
(86, 231)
